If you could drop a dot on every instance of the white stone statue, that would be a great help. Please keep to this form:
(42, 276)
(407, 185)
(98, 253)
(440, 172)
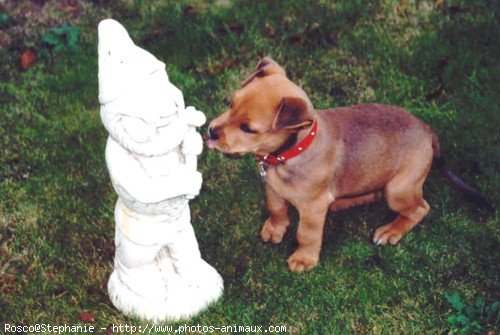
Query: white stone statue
(151, 155)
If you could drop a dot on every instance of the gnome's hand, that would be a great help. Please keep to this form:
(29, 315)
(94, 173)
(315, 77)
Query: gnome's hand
(191, 183)
(193, 117)
(192, 143)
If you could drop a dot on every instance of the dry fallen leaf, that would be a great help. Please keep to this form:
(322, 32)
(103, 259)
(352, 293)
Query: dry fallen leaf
(110, 249)
(190, 10)
(236, 28)
(228, 63)
(331, 38)
(4, 39)
(435, 94)
(268, 31)
(86, 317)
(297, 39)
(27, 59)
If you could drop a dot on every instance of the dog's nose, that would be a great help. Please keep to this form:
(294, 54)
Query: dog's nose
(213, 133)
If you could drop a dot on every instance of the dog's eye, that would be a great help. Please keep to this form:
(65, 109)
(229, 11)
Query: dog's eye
(244, 127)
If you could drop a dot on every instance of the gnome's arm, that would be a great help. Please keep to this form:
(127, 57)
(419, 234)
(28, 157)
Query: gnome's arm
(192, 144)
(149, 190)
(129, 174)
(138, 130)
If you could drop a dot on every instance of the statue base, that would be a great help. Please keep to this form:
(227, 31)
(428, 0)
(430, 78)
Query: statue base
(159, 274)
(183, 300)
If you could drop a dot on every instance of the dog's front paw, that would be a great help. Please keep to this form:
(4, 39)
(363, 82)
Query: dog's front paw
(388, 233)
(273, 233)
(302, 260)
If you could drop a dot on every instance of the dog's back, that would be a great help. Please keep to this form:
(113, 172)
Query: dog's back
(374, 141)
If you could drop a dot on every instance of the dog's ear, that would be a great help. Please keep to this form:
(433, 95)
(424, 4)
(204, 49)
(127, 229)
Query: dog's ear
(258, 73)
(293, 114)
(265, 67)
(269, 66)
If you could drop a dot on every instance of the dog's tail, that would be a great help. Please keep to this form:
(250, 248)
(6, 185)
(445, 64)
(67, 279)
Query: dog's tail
(469, 192)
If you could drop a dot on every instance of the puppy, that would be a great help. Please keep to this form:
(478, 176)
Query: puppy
(318, 160)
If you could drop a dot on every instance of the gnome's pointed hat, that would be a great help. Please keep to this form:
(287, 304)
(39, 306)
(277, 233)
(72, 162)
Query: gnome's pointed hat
(122, 64)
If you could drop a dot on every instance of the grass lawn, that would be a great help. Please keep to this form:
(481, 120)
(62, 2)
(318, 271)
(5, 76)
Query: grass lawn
(440, 60)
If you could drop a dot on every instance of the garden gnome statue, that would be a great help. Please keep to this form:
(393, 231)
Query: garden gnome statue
(151, 156)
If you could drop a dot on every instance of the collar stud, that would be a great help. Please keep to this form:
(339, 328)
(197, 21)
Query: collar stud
(291, 152)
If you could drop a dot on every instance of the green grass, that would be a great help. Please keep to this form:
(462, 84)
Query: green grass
(56, 200)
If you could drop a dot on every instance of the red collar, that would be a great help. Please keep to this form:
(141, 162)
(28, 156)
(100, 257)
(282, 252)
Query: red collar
(295, 150)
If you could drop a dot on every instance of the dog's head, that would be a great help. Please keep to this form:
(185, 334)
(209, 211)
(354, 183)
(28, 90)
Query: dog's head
(263, 113)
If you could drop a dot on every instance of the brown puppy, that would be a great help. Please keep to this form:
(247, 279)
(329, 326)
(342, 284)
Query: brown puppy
(357, 155)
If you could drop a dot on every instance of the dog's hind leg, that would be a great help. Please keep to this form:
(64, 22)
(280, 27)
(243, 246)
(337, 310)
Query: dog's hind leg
(404, 195)
(408, 201)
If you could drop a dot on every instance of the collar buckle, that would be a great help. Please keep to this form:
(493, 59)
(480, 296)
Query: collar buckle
(262, 170)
